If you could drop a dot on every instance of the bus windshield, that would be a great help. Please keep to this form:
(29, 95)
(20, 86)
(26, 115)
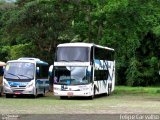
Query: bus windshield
(72, 75)
(68, 54)
(19, 70)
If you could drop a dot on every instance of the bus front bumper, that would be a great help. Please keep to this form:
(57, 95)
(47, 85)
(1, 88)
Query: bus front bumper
(72, 93)
(17, 91)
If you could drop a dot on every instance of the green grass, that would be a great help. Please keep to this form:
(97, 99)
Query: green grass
(119, 90)
(123, 100)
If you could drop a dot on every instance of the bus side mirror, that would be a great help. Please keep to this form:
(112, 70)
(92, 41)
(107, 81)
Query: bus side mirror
(50, 71)
(4, 68)
(37, 71)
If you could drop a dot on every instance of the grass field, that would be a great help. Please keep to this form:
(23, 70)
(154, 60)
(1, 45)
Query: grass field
(135, 100)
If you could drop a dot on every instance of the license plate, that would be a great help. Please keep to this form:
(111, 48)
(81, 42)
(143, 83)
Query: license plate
(17, 93)
(70, 93)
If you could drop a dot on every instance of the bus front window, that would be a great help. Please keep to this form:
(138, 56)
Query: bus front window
(68, 54)
(19, 70)
(71, 75)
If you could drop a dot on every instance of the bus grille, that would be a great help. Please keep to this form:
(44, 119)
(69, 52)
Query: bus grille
(18, 91)
(18, 88)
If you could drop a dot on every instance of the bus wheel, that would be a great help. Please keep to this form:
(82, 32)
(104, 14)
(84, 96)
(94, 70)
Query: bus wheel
(35, 95)
(44, 92)
(92, 96)
(109, 89)
(1, 92)
(9, 95)
(63, 97)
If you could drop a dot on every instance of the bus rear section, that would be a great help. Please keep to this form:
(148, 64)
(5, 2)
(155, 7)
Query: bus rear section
(2, 65)
(25, 76)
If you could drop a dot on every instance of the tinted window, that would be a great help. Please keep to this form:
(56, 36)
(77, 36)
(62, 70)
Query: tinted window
(72, 54)
(43, 71)
(101, 74)
(104, 54)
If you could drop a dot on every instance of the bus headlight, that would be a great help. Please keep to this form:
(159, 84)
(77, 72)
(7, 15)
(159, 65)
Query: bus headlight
(6, 84)
(29, 85)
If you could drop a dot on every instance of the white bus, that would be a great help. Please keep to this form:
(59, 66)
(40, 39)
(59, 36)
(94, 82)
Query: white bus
(2, 64)
(27, 76)
(83, 69)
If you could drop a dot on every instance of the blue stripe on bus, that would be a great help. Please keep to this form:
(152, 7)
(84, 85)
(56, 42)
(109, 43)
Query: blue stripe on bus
(39, 82)
(17, 83)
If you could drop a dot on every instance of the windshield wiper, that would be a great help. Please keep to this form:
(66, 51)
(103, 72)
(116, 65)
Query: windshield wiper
(77, 60)
(26, 76)
(62, 60)
(13, 75)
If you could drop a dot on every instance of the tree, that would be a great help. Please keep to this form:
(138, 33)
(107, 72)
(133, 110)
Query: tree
(132, 27)
(127, 25)
(40, 23)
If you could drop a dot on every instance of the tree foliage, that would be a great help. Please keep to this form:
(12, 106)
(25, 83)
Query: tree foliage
(132, 27)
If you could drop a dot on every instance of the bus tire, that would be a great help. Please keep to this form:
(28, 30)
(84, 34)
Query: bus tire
(63, 97)
(9, 95)
(1, 90)
(93, 96)
(44, 92)
(109, 89)
(35, 95)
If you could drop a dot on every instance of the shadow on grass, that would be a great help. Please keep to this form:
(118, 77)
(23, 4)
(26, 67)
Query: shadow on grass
(50, 96)
(86, 98)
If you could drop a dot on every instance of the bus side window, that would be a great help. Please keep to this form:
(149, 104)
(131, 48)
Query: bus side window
(43, 71)
(103, 54)
(37, 71)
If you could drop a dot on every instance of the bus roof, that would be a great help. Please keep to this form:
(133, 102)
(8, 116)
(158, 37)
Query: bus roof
(31, 60)
(83, 45)
(2, 63)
